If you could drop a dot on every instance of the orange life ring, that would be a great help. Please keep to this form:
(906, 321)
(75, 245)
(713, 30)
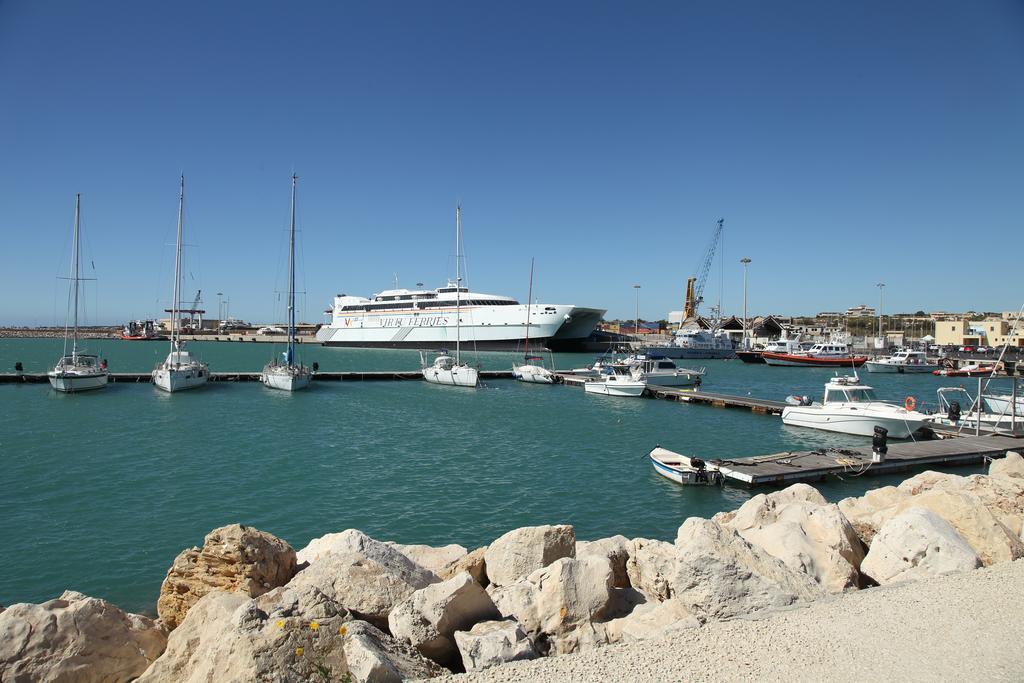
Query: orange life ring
(910, 403)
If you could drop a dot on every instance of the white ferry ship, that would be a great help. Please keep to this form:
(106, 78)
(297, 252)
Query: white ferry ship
(425, 319)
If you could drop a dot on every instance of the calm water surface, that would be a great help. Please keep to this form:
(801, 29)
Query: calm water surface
(99, 492)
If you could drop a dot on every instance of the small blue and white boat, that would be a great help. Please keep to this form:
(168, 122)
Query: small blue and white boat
(683, 469)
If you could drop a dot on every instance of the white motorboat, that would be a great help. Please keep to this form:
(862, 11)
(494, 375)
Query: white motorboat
(850, 407)
(287, 375)
(181, 370)
(445, 369)
(1004, 404)
(530, 371)
(957, 408)
(616, 380)
(684, 469)
(660, 371)
(76, 371)
(904, 361)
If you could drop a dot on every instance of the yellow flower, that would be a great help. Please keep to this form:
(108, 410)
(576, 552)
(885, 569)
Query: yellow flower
(313, 626)
(298, 652)
(342, 630)
(280, 623)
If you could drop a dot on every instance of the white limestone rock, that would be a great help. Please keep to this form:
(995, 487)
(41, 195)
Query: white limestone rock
(76, 638)
(1010, 467)
(229, 638)
(436, 559)
(430, 616)
(718, 574)
(650, 567)
(798, 526)
(474, 563)
(490, 643)
(917, 544)
(862, 511)
(650, 620)
(363, 575)
(525, 550)
(616, 550)
(559, 604)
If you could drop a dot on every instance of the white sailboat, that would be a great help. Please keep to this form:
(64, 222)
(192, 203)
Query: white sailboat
(288, 376)
(76, 371)
(180, 370)
(531, 372)
(445, 369)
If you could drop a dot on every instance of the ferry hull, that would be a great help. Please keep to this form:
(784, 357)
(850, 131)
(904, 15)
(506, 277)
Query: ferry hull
(74, 383)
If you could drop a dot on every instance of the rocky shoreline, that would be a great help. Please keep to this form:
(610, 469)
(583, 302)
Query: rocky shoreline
(246, 606)
(58, 332)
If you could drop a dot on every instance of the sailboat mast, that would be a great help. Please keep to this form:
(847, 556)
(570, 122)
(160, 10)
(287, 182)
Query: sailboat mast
(177, 268)
(291, 280)
(76, 249)
(529, 300)
(458, 283)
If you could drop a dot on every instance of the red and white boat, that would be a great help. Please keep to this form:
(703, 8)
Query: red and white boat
(831, 354)
(971, 370)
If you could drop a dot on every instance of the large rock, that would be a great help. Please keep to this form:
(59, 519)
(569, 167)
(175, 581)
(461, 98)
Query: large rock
(718, 574)
(616, 550)
(1010, 467)
(525, 550)
(430, 616)
(490, 643)
(559, 605)
(230, 638)
(436, 559)
(798, 526)
(1002, 495)
(862, 511)
(76, 638)
(917, 544)
(475, 563)
(650, 620)
(234, 559)
(365, 576)
(650, 567)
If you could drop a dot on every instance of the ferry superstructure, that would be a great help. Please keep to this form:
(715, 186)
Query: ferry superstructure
(425, 319)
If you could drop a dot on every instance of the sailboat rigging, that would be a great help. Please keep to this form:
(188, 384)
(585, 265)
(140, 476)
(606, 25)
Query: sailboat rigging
(528, 371)
(77, 371)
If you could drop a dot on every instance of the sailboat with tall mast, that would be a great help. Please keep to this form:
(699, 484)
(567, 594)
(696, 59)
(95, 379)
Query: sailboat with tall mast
(288, 376)
(181, 370)
(531, 372)
(445, 369)
(76, 371)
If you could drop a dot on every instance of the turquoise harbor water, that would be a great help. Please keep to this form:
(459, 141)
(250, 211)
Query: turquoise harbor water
(99, 492)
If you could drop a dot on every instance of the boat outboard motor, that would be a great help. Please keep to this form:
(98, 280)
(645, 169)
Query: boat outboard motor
(805, 400)
(18, 367)
(954, 411)
(701, 467)
(316, 366)
(879, 446)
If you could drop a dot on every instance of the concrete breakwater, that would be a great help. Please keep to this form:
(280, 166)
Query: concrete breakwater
(247, 606)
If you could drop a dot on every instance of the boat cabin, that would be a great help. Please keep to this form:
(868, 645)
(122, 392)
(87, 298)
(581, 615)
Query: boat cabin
(848, 390)
(829, 349)
(910, 358)
(80, 361)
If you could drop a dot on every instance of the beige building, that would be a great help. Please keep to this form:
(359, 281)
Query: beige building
(988, 332)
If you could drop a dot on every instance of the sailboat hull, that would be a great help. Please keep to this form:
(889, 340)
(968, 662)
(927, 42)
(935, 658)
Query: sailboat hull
(73, 383)
(284, 378)
(180, 379)
(459, 376)
(533, 374)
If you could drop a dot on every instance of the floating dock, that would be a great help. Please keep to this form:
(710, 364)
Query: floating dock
(320, 376)
(693, 395)
(783, 469)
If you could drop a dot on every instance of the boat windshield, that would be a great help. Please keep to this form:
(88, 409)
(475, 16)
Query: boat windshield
(849, 395)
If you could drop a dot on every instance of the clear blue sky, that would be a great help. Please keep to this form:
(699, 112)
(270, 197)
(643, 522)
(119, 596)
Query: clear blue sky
(844, 144)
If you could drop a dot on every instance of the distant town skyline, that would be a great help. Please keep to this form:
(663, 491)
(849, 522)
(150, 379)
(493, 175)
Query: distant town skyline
(845, 145)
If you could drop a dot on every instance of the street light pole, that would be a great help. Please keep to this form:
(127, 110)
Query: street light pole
(745, 261)
(636, 321)
(220, 308)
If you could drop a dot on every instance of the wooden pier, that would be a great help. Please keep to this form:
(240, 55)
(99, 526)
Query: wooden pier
(783, 469)
(320, 376)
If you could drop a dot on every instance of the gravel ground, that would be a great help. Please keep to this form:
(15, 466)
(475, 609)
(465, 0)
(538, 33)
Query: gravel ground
(964, 627)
